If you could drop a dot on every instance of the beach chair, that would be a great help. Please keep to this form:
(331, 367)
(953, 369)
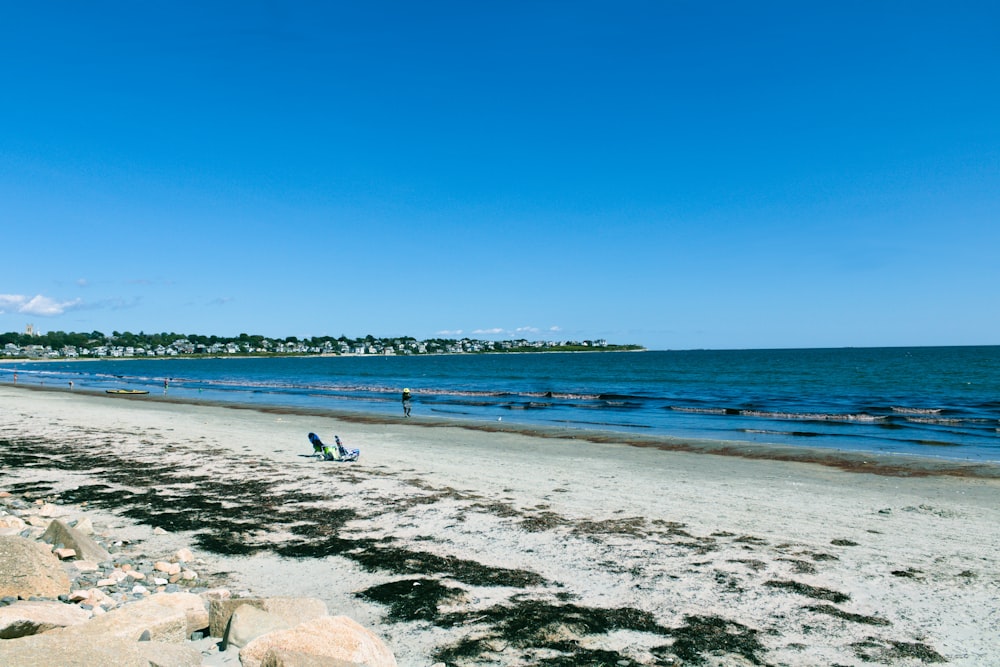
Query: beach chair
(317, 445)
(336, 453)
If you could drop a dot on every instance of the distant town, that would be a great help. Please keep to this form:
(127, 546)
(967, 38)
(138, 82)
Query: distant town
(61, 345)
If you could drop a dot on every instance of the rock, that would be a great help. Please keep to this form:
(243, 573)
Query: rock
(25, 617)
(86, 548)
(277, 657)
(11, 525)
(85, 526)
(164, 623)
(37, 521)
(330, 636)
(170, 655)
(28, 569)
(184, 556)
(64, 554)
(85, 566)
(248, 622)
(167, 568)
(58, 648)
(159, 531)
(293, 610)
(192, 605)
(49, 510)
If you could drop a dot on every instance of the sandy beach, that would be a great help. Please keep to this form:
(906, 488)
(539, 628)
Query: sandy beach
(470, 547)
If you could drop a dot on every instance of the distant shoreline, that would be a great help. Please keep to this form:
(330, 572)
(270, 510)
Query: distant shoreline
(349, 355)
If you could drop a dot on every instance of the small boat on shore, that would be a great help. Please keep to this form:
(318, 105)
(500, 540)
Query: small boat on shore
(126, 392)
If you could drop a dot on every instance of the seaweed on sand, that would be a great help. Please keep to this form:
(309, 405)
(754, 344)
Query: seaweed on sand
(846, 615)
(715, 636)
(405, 561)
(412, 599)
(810, 591)
(873, 649)
(535, 627)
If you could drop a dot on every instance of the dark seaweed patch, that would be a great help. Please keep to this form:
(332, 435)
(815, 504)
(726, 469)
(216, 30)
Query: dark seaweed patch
(847, 616)
(800, 566)
(404, 561)
(809, 591)
(843, 543)
(30, 489)
(908, 573)
(712, 635)
(876, 650)
(633, 526)
(412, 599)
(533, 625)
(542, 521)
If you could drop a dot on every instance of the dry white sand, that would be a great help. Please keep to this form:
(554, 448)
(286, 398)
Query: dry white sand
(829, 567)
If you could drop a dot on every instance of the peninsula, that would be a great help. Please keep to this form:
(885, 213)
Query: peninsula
(61, 345)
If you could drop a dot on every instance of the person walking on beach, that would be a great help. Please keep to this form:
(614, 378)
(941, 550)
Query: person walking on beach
(406, 402)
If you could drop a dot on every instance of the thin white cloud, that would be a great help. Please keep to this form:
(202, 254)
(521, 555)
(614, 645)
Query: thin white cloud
(39, 305)
(519, 332)
(82, 282)
(221, 301)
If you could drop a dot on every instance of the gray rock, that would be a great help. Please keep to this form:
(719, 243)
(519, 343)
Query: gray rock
(86, 548)
(29, 569)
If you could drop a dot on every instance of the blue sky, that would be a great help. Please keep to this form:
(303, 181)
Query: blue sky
(674, 174)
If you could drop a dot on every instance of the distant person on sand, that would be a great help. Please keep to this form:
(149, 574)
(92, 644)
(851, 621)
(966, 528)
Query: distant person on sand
(406, 402)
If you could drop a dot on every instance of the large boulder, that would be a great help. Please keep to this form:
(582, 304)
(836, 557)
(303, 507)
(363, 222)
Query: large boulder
(26, 617)
(160, 654)
(276, 657)
(29, 569)
(61, 649)
(71, 538)
(248, 622)
(293, 610)
(192, 605)
(336, 637)
(132, 621)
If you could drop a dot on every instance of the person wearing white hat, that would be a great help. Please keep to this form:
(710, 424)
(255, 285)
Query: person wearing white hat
(406, 402)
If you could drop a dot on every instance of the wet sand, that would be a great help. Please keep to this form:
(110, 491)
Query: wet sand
(491, 545)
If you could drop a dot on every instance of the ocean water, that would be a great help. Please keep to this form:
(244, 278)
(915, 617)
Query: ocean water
(938, 402)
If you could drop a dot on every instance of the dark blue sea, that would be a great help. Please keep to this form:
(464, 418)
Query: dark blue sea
(938, 402)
